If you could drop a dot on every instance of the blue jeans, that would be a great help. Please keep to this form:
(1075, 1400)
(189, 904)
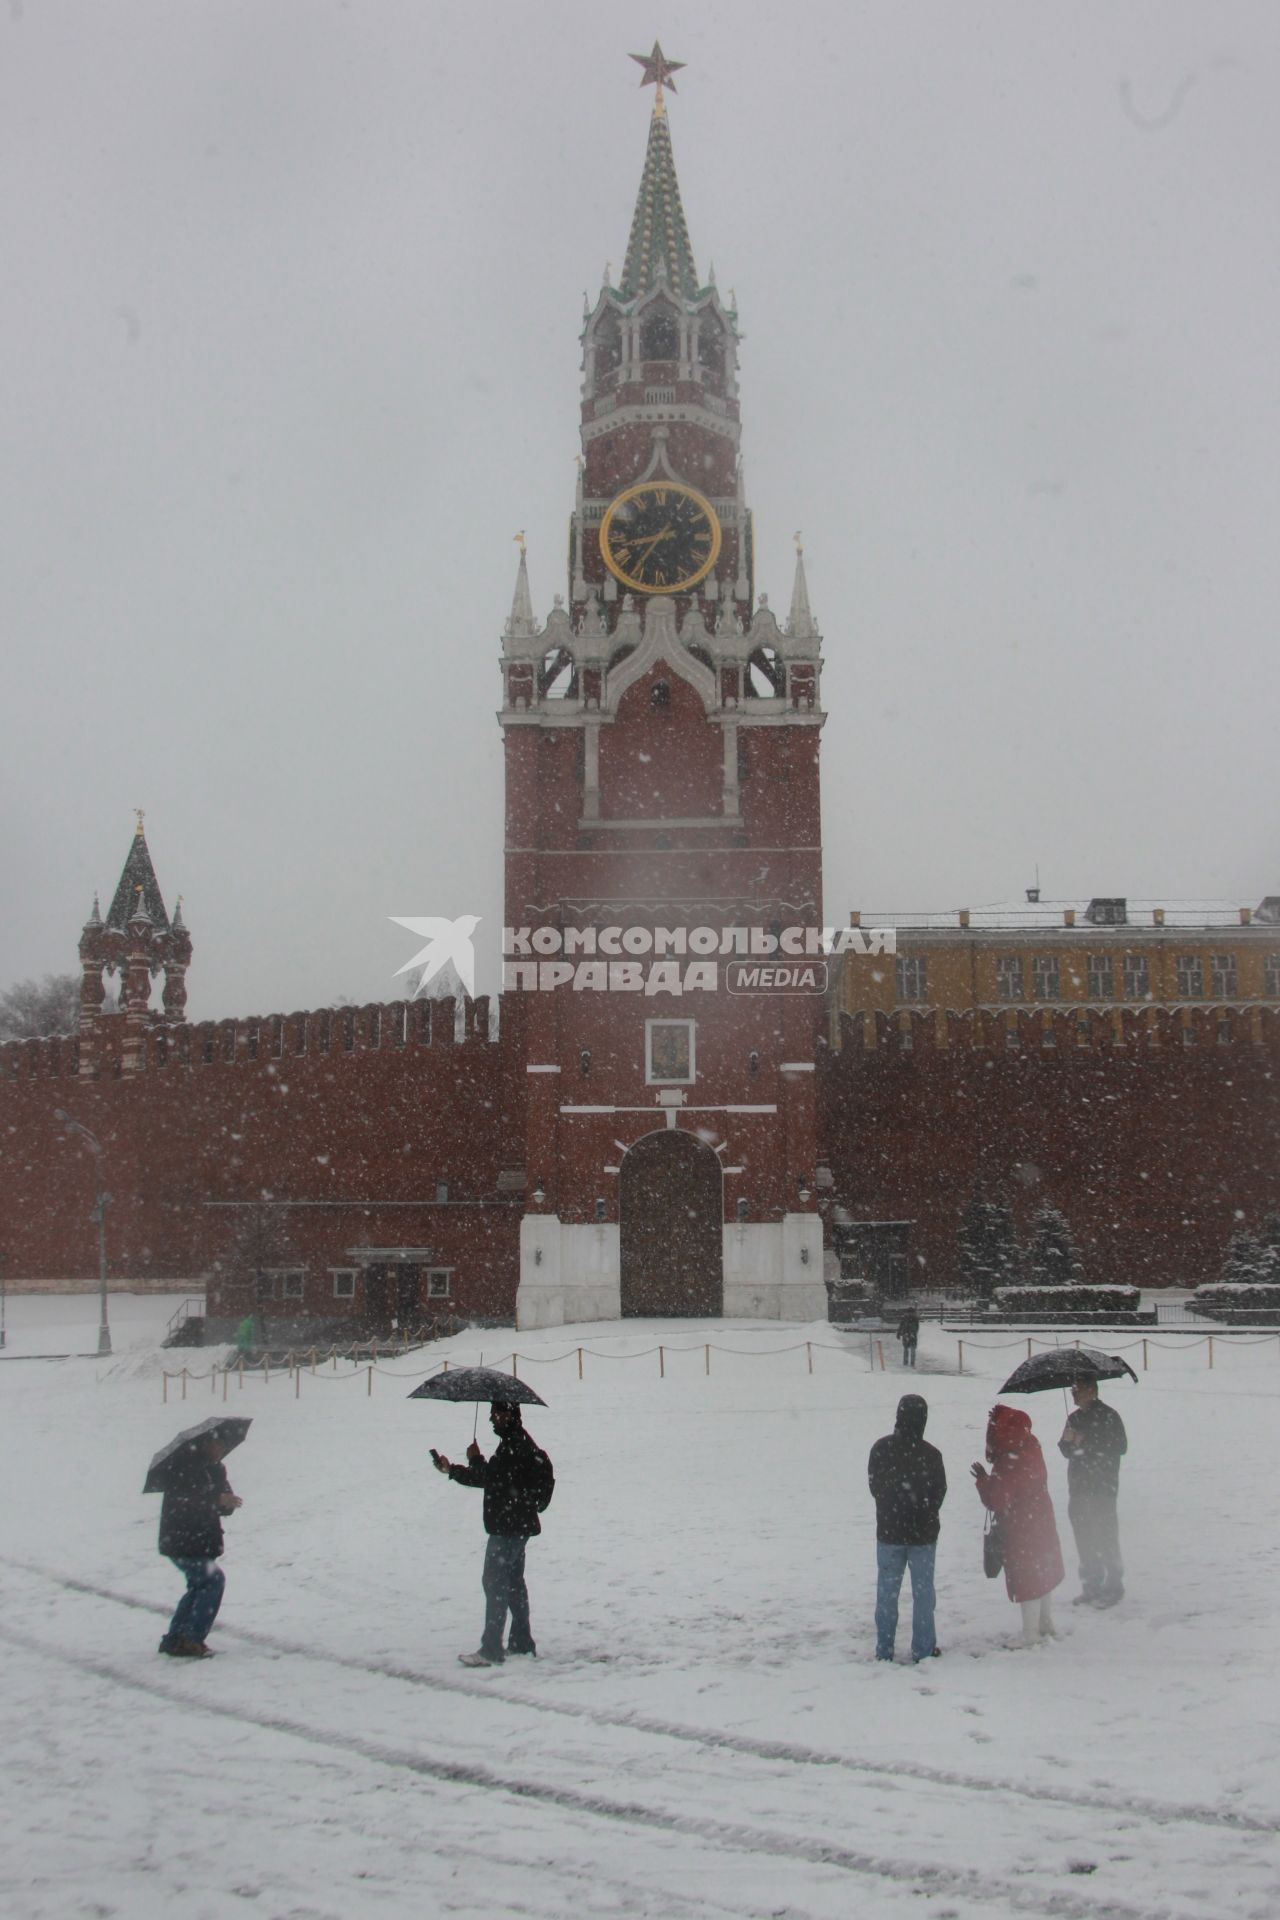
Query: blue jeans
(504, 1588)
(198, 1608)
(892, 1563)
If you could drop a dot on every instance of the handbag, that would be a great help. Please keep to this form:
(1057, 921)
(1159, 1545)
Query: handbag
(992, 1547)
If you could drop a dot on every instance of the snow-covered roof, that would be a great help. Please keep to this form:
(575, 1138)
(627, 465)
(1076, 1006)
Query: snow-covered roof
(1108, 912)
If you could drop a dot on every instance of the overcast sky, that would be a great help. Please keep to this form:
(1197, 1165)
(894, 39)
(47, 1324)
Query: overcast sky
(292, 297)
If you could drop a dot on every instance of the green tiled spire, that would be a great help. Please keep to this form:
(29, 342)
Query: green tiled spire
(658, 230)
(138, 878)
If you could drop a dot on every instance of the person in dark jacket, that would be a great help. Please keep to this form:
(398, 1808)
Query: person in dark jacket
(909, 1484)
(197, 1495)
(1094, 1442)
(909, 1334)
(516, 1482)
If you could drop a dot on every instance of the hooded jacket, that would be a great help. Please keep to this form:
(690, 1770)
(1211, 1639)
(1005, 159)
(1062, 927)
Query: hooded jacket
(1093, 1468)
(907, 1479)
(1017, 1491)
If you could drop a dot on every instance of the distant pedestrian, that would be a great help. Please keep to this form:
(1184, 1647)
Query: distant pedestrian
(909, 1484)
(1016, 1491)
(197, 1495)
(518, 1482)
(1094, 1442)
(909, 1334)
(244, 1337)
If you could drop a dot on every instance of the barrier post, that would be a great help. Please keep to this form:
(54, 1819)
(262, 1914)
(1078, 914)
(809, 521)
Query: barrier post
(579, 1363)
(184, 1374)
(370, 1387)
(808, 1348)
(313, 1359)
(706, 1357)
(213, 1381)
(959, 1356)
(297, 1383)
(164, 1389)
(662, 1367)
(266, 1369)
(242, 1373)
(880, 1351)
(514, 1370)
(1144, 1353)
(1028, 1346)
(1210, 1349)
(224, 1386)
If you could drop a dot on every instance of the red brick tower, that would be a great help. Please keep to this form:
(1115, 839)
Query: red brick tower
(662, 826)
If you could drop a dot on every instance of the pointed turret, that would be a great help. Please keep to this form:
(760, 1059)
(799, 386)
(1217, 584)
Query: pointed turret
(659, 247)
(521, 625)
(138, 873)
(800, 622)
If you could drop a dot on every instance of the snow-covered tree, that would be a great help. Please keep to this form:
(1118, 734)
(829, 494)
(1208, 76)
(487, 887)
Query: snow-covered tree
(32, 1009)
(258, 1242)
(988, 1249)
(1052, 1259)
(1248, 1262)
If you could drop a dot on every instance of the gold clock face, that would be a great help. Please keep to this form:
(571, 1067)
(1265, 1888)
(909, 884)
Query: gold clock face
(660, 537)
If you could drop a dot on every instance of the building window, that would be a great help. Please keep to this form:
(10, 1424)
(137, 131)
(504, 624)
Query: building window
(1137, 977)
(1044, 976)
(251, 1043)
(344, 1283)
(348, 1028)
(281, 1283)
(669, 1053)
(1223, 979)
(1273, 976)
(438, 1279)
(1189, 1035)
(913, 978)
(1223, 1033)
(1009, 981)
(1082, 1030)
(1190, 977)
(1048, 1034)
(1102, 977)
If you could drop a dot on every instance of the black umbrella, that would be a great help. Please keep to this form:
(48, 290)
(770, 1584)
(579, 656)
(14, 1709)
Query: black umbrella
(229, 1428)
(1062, 1366)
(477, 1383)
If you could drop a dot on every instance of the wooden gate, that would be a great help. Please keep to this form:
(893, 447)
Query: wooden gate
(672, 1240)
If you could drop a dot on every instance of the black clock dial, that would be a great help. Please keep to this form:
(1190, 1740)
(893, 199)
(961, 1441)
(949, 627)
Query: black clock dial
(660, 537)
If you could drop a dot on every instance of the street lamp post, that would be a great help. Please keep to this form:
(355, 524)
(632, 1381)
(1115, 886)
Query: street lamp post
(99, 1215)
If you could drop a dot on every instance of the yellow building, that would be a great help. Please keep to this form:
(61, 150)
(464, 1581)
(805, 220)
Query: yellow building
(1194, 960)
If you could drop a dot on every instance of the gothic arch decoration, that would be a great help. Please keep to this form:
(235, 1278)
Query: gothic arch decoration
(671, 1211)
(661, 642)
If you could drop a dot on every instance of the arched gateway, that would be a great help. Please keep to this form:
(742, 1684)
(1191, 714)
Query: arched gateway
(671, 1226)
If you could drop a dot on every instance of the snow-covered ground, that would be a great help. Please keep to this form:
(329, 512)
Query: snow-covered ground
(704, 1732)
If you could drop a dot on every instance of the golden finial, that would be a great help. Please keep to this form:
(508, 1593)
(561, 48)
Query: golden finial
(519, 539)
(799, 542)
(138, 829)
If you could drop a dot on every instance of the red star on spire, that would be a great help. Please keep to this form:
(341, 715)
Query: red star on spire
(657, 69)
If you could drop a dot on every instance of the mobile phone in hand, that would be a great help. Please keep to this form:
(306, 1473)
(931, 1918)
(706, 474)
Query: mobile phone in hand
(435, 1456)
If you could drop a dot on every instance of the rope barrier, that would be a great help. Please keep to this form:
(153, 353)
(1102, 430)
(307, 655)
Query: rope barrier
(294, 1364)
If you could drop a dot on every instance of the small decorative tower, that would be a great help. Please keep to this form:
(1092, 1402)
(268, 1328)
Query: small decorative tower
(661, 742)
(136, 942)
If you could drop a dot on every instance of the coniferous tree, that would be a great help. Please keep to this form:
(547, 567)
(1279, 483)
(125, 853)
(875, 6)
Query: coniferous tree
(1052, 1259)
(1247, 1262)
(988, 1248)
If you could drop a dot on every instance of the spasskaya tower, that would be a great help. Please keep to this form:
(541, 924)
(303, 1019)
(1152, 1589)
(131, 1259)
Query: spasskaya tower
(662, 826)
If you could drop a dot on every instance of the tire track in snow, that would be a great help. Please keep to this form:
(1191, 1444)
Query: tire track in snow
(1160, 1813)
(933, 1881)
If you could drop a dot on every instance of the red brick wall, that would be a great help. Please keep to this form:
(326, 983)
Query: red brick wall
(1148, 1150)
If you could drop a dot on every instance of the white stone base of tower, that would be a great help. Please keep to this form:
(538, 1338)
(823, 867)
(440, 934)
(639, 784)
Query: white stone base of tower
(774, 1271)
(569, 1274)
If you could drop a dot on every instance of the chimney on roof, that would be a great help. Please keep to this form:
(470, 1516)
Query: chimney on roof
(964, 916)
(1246, 915)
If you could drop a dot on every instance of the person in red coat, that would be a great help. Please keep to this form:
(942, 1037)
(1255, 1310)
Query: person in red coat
(1017, 1491)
